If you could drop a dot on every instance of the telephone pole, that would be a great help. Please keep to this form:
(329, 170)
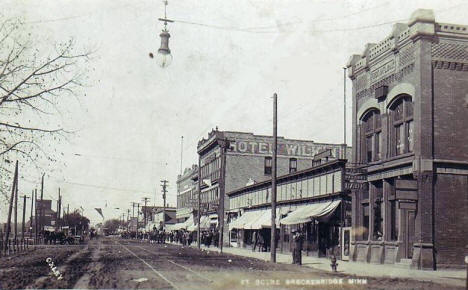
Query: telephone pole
(273, 181)
(24, 216)
(164, 185)
(59, 209)
(16, 211)
(145, 200)
(31, 216)
(36, 225)
(41, 218)
(13, 190)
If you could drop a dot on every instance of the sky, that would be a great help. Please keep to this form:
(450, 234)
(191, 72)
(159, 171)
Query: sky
(229, 57)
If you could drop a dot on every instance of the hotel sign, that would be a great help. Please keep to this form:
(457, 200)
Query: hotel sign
(285, 149)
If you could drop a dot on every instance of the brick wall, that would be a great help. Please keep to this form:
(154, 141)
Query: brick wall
(451, 218)
(450, 114)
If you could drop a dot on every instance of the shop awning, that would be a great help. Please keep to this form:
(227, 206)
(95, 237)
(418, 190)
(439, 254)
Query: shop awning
(204, 224)
(247, 217)
(308, 212)
(254, 217)
(264, 220)
(183, 225)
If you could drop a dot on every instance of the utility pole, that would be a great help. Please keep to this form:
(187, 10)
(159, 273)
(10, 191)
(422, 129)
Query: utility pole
(181, 152)
(59, 210)
(13, 190)
(273, 181)
(41, 218)
(344, 113)
(31, 216)
(145, 199)
(164, 186)
(138, 213)
(24, 216)
(36, 225)
(16, 211)
(221, 215)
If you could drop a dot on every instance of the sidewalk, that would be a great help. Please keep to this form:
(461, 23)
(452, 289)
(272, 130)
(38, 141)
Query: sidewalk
(449, 277)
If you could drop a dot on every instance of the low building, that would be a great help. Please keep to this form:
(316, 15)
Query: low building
(313, 200)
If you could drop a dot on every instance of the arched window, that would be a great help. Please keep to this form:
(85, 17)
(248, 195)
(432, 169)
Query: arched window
(402, 126)
(371, 128)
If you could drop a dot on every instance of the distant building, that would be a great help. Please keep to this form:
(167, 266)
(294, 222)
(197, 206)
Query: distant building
(410, 112)
(46, 217)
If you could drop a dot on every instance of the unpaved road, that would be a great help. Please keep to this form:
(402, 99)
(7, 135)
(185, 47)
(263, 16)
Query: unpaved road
(113, 263)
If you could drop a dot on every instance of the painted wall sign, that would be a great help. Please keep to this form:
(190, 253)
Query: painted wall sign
(285, 149)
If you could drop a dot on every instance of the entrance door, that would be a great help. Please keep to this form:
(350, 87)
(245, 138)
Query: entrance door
(323, 235)
(346, 243)
(408, 225)
(410, 217)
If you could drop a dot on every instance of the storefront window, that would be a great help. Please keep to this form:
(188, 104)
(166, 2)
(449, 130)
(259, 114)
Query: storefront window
(365, 221)
(393, 221)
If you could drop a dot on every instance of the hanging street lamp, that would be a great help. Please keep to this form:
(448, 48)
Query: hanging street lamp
(164, 57)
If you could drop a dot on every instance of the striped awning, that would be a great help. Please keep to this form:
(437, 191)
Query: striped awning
(308, 212)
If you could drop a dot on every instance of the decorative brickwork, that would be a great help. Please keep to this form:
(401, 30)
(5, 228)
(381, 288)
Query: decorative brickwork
(406, 56)
(449, 51)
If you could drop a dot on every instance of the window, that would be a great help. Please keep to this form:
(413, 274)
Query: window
(267, 165)
(365, 221)
(292, 165)
(393, 221)
(371, 127)
(378, 215)
(402, 126)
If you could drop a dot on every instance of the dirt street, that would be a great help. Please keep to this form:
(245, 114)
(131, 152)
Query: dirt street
(117, 263)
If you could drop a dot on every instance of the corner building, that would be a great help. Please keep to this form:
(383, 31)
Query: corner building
(410, 116)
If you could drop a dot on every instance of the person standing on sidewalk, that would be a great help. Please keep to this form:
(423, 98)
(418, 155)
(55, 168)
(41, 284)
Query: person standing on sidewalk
(254, 241)
(298, 239)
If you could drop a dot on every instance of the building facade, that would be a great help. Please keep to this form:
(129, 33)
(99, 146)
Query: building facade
(410, 111)
(231, 160)
(187, 190)
(313, 200)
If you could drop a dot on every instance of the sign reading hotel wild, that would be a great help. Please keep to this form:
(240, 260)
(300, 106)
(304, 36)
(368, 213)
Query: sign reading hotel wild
(285, 149)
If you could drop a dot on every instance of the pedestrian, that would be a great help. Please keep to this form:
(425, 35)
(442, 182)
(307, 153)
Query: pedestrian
(260, 241)
(254, 241)
(298, 239)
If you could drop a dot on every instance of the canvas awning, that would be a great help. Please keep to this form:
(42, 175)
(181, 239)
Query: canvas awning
(308, 212)
(204, 224)
(264, 220)
(254, 217)
(183, 225)
(247, 217)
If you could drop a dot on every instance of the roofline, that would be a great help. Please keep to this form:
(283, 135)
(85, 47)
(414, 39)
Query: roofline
(284, 177)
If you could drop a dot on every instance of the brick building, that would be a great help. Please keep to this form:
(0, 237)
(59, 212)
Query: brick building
(410, 112)
(187, 188)
(231, 160)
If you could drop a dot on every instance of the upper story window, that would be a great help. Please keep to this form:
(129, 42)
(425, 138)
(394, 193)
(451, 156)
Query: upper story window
(371, 128)
(401, 126)
(292, 165)
(267, 169)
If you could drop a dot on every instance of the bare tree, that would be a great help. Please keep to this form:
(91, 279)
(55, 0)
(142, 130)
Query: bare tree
(34, 79)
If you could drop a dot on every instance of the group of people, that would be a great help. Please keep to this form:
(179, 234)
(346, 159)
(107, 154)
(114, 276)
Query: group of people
(210, 237)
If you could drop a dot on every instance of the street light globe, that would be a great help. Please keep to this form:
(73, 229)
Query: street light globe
(164, 57)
